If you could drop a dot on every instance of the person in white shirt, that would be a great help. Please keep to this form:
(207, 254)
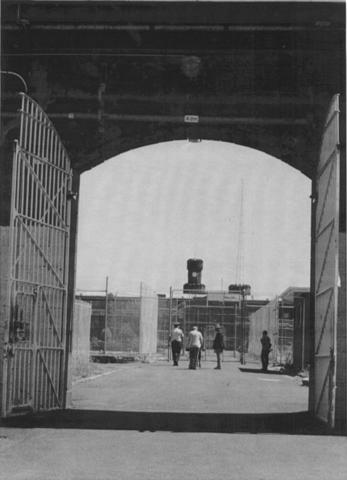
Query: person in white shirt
(176, 343)
(195, 343)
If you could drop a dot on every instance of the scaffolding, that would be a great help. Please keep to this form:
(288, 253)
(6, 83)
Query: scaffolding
(206, 310)
(123, 323)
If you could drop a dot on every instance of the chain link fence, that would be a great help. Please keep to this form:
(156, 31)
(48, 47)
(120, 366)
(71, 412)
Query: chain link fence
(122, 324)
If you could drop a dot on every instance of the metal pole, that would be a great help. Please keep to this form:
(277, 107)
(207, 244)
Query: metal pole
(303, 339)
(243, 327)
(235, 307)
(106, 293)
(277, 350)
(170, 325)
(280, 332)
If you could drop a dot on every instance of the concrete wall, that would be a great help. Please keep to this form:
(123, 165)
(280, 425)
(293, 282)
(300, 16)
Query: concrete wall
(80, 337)
(263, 319)
(148, 322)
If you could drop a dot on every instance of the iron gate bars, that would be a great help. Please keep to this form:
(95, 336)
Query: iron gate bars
(40, 223)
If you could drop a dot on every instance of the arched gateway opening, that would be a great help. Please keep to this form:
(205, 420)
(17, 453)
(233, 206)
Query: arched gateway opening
(156, 207)
(128, 77)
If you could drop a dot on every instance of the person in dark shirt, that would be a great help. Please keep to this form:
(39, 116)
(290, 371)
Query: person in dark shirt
(218, 346)
(265, 350)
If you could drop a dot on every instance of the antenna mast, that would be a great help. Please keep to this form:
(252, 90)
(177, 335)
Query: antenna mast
(240, 253)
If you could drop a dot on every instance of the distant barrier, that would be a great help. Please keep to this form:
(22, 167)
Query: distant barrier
(80, 337)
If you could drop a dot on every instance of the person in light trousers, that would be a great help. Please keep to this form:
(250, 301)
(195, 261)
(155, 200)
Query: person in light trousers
(195, 343)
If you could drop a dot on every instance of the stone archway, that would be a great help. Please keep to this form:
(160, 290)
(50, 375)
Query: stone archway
(113, 77)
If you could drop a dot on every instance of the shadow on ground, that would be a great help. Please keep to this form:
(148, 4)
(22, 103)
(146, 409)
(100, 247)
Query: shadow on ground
(298, 423)
(259, 370)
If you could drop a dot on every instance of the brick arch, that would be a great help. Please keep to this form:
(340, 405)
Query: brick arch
(287, 144)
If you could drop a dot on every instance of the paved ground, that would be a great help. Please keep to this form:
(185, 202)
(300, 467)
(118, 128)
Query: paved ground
(88, 443)
(50, 454)
(160, 387)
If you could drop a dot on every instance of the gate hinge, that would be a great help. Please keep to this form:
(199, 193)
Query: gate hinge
(8, 350)
(314, 197)
(71, 195)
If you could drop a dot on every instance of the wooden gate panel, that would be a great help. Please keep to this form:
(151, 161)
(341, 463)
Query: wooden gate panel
(326, 267)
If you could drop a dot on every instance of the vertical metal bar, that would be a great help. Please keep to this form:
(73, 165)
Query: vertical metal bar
(24, 122)
(26, 190)
(49, 159)
(28, 300)
(31, 163)
(21, 127)
(45, 166)
(30, 116)
(55, 173)
(26, 146)
(20, 376)
(170, 326)
(60, 152)
(66, 330)
(40, 384)
(106, 305)
(34, 146)
(235, 342)
(49, 366)
(15, 248)
(49, 390)
(45, 386)
(41, 167)
(60, 180)
(17, 371)
(34, 315)
(60, 240)
(36, 165)
(32, 261)
(56, 373)
(242, 312)
(26, 369)
(40, 132)
(46, 158)
(24, 114)
(19, 188)
(46, 351)
(47, 230)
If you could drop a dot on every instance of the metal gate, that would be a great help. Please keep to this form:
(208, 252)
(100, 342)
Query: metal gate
(326, 267)
(40, 211)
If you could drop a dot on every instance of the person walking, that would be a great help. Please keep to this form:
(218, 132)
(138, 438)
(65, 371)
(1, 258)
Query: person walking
(218, 346)
(177, 337)
(201, 349)
(265, 350)
(195, 343)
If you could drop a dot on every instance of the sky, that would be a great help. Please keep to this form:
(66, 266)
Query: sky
(145, 212)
